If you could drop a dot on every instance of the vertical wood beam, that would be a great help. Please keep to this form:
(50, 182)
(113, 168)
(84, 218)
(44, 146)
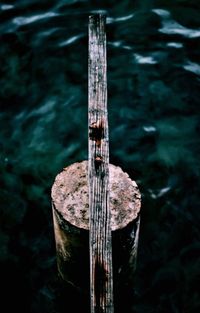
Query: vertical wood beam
(101, 277)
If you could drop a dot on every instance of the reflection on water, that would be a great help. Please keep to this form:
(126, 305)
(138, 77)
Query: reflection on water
(6, 7)
(27, 20)
(170, 27)
(153, 102)
(71, 40)
(119, 19)
(192, 67)
(144, 60)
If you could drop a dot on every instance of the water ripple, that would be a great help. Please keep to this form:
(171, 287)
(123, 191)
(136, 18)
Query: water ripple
(171, 27)
(49, 32)
(159, 193)
(19, 21)
(119, 19)
(119, 44)
(71, 40)
(144, 59)
(176, 45)
(5, 7)
(149, 129)
(192, 67)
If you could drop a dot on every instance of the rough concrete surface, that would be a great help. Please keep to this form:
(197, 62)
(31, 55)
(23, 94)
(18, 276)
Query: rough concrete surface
(70, 196)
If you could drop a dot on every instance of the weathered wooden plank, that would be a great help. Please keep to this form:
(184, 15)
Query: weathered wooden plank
(101, 280)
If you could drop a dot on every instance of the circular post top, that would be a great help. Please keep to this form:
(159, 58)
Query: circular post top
(70, 196)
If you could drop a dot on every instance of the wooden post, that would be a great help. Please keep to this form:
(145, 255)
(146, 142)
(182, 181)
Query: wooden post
(70, 202)
(101, 277)
(92, 200)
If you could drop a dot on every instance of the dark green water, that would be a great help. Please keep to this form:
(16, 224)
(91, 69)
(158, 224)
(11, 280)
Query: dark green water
(154, 93)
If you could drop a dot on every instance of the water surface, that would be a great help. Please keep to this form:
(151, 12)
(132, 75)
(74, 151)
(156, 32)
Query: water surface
(153, 102)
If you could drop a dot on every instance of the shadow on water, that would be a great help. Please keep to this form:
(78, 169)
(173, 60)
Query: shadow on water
(153, 101)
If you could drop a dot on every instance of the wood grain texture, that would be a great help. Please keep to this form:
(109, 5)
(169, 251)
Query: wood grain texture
(101, 280)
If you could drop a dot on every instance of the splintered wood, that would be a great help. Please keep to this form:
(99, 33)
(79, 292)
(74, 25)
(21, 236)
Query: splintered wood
(101, 277)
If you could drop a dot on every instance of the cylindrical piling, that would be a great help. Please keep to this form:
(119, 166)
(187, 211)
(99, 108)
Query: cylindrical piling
(70, 202)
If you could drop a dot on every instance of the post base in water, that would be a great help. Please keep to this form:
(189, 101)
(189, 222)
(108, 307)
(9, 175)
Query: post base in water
(70, 202)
